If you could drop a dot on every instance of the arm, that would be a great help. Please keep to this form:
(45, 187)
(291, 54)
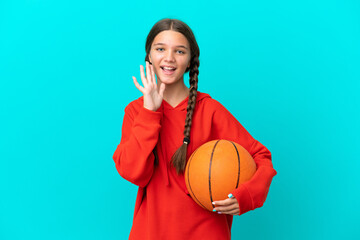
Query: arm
(133, 157)
(251, 194)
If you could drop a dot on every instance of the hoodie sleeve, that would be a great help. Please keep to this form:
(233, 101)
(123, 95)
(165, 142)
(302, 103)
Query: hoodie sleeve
(133, 157)
(251, 194)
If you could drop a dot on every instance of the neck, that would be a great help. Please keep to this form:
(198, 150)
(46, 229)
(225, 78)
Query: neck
(175, 93)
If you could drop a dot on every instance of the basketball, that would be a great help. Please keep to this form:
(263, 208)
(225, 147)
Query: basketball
(215, 169)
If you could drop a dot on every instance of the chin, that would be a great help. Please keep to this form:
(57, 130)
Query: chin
(168, 80)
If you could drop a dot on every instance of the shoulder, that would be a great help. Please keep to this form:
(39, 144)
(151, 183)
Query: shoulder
(206, 102)
(214, 110)
(134, 106)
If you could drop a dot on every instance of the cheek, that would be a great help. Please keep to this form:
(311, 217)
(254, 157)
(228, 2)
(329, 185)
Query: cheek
(152, 55)
(155, 59)
(188, 61)
(156, 67)
(187, 64)
(156, 70)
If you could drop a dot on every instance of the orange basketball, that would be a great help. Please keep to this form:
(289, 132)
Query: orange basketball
(215, 169)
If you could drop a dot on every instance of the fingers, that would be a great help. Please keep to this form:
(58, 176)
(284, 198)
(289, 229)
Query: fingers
(227, 206)
(137, 85)
(232, 209)
(142, 75)
(153, 74)
(147, 78)
(233, 212)
(225, 202)
(149, 74)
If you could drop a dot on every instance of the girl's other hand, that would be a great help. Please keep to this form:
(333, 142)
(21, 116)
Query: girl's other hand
(227, 206)
(152, 95)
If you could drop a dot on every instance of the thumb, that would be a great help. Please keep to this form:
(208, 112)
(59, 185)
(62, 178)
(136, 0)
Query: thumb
(162, 89)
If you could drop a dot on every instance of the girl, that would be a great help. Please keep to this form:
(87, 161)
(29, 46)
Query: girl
(155, 144)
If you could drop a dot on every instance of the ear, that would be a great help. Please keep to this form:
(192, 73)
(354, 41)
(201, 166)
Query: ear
(150, 59)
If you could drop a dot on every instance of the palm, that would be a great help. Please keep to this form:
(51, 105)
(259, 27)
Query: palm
(152, 95)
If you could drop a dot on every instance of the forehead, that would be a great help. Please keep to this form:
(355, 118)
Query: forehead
(170, 38)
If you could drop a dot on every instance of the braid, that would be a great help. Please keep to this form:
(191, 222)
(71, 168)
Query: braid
(179, 157)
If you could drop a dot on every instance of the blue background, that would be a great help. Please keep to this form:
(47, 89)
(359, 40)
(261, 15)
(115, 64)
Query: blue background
(287, 70)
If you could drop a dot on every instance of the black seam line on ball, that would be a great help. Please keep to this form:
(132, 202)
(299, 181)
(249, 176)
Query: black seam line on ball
(212, 154)
(188, 172)
(237, 152)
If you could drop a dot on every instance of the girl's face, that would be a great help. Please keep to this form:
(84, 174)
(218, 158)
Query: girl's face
(170, 56)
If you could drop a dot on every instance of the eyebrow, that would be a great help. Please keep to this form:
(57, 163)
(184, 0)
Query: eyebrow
(181, 46)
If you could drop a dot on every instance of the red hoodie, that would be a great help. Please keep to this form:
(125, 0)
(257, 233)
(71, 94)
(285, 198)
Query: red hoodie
(164, 208)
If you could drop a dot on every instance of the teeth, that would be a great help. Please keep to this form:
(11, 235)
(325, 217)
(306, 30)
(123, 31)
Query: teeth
(167, 68)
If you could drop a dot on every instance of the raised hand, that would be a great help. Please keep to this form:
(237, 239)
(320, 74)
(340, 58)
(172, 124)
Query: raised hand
(152, 95)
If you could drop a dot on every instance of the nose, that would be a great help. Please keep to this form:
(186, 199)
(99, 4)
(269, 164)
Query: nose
(169, 56)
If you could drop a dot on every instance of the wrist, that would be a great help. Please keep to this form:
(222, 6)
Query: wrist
(150, 108)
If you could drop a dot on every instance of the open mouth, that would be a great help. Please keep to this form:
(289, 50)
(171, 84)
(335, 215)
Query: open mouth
(168, 70)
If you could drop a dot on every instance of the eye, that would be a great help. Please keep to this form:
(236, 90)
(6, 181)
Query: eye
(160, 49)
(181, 52)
